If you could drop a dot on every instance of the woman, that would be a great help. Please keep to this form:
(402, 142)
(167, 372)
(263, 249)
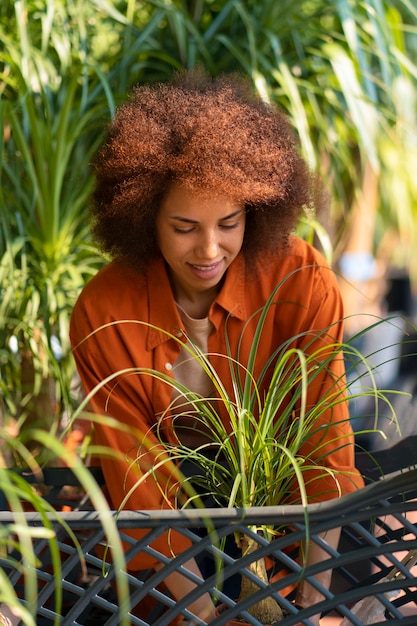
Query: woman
(199, 185)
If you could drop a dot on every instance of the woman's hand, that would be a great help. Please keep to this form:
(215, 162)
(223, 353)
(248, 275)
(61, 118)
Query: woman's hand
(8, 617)
(179, 585)
(307, 594)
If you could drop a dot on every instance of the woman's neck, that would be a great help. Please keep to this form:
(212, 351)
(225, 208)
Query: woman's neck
(195, 303)
(197, 307)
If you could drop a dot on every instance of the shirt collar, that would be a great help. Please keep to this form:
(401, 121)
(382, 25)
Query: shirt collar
(232, 294)
(163, 313)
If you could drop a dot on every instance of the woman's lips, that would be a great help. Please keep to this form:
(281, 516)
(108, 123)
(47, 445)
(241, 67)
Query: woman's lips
(206, 272)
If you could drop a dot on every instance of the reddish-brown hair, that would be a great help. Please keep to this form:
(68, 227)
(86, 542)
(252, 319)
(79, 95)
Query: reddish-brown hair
(206, 134)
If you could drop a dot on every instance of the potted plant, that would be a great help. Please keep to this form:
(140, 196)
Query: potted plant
(257, 458)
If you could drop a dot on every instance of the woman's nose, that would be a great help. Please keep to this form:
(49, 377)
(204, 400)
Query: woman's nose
(208, 246)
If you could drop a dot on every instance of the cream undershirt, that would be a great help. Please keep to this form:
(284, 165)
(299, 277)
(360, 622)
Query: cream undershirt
(189, 372)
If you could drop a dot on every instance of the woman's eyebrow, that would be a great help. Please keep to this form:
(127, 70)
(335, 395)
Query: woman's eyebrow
(190, 221)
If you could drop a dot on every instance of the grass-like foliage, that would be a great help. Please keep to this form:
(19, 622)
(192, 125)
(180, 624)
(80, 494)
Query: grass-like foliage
(19, 538)
(254, 449)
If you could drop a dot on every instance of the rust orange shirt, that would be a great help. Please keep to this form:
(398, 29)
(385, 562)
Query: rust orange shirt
(120, 330)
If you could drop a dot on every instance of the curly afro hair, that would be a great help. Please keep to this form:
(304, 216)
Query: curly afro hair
(206, 134)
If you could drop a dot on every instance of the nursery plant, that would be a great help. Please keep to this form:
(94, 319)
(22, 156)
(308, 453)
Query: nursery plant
(258, 457)
(253, 455)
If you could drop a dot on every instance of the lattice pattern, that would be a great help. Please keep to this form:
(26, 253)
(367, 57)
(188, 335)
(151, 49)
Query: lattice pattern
(379, 528)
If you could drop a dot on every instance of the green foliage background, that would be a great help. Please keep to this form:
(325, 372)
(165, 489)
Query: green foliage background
(345, 71)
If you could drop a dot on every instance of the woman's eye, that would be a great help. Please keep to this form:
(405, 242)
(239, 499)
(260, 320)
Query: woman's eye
(229, 226)
(183, 231)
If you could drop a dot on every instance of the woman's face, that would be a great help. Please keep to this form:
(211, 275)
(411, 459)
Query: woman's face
(199, 235)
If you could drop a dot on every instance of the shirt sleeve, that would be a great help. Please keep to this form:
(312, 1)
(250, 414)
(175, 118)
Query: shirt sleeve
(134, 465)
(329, 464)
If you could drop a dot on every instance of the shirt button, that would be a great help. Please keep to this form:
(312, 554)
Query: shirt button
(168, 366)
(177, 332)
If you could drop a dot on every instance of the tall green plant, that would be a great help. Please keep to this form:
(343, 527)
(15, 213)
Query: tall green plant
(51, 125)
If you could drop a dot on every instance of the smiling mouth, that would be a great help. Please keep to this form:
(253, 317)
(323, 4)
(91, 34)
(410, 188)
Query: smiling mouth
(205, 268)
(206, 272)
